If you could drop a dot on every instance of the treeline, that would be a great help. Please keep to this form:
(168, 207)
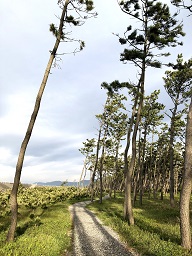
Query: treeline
(146, 148)
(152, 166)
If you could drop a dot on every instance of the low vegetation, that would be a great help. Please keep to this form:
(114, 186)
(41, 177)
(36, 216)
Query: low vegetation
(156, 231)
(44, 222)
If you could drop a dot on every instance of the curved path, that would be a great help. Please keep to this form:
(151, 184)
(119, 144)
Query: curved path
(91, 237)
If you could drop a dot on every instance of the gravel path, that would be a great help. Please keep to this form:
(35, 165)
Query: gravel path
(91, 237)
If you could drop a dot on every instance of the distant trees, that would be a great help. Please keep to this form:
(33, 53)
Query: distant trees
(151, 118)
(75, 7)
(105, 155)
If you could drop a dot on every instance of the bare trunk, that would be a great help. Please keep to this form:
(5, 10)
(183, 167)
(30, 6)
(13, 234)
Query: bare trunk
(141, 169)
(101, 186)
(13, 197)
(187, 185)
(127, 175)
(135, 188)
(83, 172)
(101, 166)
(96, 164)
(137, 175)
(128, 211)
(171, 151)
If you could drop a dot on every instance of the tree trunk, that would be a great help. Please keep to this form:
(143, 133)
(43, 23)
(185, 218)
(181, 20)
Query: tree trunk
(171, 152)
(83, 171)
(142, 168)
(135, 188)
(127, 174)
(137, 175)
(13, 197)
(101, 185)
(96, 164)
(101, 166)
(187, 185)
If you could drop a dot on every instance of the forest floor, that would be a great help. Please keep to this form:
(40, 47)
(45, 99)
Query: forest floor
(91, 237)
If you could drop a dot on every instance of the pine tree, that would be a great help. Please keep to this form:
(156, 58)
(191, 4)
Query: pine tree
(156, 29)
(61, 35)
(177, 84)
(187, 175)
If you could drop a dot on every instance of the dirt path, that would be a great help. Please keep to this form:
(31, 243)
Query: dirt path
(91, 237)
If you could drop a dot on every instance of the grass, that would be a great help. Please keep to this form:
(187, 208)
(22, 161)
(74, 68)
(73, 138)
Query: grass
(156, 230)
(47, 232)
(44, 232)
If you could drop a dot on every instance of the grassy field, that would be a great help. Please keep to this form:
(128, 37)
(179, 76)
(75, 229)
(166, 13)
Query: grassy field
(44, 222)
(45, 232)
(156, 231)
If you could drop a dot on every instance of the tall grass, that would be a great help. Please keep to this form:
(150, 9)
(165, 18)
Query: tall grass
(156, 231)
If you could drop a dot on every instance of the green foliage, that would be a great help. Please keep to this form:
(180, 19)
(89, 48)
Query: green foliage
(74, 15)
(159, 30)
(157, 226)
(186, 4)
(88, 3)
(178, 81)
(44, 222)
(71, 19)
(47, 235)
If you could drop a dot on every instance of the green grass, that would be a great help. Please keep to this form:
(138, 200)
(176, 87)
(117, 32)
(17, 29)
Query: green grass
(44, 222)
(156, 230)
(46, 233)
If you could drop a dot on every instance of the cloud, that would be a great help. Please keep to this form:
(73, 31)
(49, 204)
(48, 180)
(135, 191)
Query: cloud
(72, 96)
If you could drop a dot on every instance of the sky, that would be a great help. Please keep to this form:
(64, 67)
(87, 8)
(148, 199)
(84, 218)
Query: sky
(73, 95)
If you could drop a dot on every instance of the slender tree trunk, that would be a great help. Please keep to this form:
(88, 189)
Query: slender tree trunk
(83, 171)
(114, 185)
(101, 182)
(127, 174)
(128, 211)
(96, 164)
(137, 175)
(135, 188)
(187, 185)
(141, 168)
(13, 197)
(101, 165)
(171, 152)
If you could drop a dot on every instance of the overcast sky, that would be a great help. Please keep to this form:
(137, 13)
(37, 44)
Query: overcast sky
(73, 95)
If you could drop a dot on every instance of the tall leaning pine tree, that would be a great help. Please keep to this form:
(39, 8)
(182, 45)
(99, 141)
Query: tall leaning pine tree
(79, 7)
(156, 28)
(185, 226)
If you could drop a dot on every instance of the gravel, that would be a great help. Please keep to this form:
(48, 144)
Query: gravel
(91, 238)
